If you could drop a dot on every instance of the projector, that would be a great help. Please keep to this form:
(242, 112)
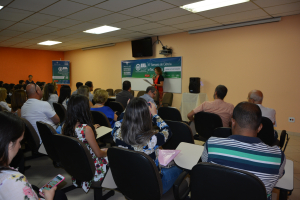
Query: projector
(165, 51)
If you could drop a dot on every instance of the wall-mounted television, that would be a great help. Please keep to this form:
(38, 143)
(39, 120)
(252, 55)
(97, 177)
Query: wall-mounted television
(142, 48)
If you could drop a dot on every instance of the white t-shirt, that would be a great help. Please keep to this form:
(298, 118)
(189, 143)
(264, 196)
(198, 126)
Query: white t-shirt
(53, 98)
(35, 110)
(4, 105)
(269, 113)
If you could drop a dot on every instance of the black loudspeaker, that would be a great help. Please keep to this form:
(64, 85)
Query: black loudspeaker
(194, 86)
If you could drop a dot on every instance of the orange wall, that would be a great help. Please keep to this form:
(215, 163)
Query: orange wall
(16, 64)
(265, 57)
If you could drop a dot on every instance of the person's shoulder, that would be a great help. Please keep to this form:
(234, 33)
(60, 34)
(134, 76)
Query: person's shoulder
(12, 174)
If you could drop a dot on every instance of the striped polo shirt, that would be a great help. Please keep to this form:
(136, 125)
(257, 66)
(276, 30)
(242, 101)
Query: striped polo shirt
(249, 154)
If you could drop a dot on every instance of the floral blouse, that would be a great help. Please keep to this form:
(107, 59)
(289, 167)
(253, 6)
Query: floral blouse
(157, 140)
(100, 163)
(14, 185)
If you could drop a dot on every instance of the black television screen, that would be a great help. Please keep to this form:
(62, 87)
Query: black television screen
(142, 48)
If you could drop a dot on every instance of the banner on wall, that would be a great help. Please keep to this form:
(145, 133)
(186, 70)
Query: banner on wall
(61, 72)
(144, 68)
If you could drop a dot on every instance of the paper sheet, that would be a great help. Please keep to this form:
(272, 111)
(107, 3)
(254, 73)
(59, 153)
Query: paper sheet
(102, 130)
(42, 149)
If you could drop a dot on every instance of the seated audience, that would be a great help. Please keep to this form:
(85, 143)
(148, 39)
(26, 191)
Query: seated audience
(100, 97)
(36, 110)
(135, 132)
(150, 94)
(49, 95)
(79, 124)
(65, 94)
(21, 82)
(18, 87)
(18, 98)
(13, 184)
(91, 88)
(124, 95)
(29, 79)
(55, 87)
(84, 90)
(1, 83)
(11, 89)
(244, 150)
(3, 96)
(218, 106)
(78, 84)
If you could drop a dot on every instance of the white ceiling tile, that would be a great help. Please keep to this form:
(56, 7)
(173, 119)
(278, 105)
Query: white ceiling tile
(63, 39)
(64, 23)
(160, 30)
(88, 2)
(63, 8)
(269, 3)
(181, 19)
(113, 18)
(117, 5)
(29, 35)
(195, 24)
(3, 38)
(17, 40)
(286, 13)
(10, 33)
(21, 45)
(4, 24)
(14, 14)
(136, 36)
(40, 19)
(44, 30)
(201, 27)
(64, 32)
(181, 2)
(78, 35)
(8, 43)
(148, 8)
(145, 27)
(31, 5)
(166, 14)
(129, 23)
(170, 32)
(229, 10)
(83, 26)
(22, 27)
(116, 33)
(5, 2)
(241, 16)
(89, 14)
(247, 20)
(283, 8)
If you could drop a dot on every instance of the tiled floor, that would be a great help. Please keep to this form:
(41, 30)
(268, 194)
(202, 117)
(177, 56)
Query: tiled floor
(42, 171)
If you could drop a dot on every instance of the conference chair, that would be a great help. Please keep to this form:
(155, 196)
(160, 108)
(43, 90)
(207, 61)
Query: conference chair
(181, 132)
(140, 93)
(31, 138)
(137, 176)
(110, 92)
(205, 123)
(222, 132)
(214, 182)
(266, 134)
(116, 106)
(167, 99)
(46, 132)
(60, 111)
(101, 119)
(132, 92)
(78, 162)
(169, 113)
(117, 91)
(284, 140)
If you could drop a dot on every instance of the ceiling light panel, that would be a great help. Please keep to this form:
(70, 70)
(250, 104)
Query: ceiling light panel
(210, 4)
(1, 7)
(102, 29)
(49, 43)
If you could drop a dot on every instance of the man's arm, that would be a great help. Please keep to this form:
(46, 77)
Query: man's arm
(191, 115)
(55, 119)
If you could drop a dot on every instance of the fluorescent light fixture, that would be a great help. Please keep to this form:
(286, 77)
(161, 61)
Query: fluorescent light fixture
(98, 46)
(49, 43)
(1, 7)
(210, 4)
(102, 29)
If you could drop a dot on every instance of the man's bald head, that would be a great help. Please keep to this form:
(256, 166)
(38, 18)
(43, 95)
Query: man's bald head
(33, 91)
(255, 96)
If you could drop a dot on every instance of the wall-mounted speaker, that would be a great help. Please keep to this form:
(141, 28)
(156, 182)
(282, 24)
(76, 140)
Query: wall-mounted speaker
(194, 86)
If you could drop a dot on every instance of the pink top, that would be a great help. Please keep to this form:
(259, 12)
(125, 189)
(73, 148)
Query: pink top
(219, 107)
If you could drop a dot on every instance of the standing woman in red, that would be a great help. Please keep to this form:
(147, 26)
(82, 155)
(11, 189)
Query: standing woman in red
(158, 81)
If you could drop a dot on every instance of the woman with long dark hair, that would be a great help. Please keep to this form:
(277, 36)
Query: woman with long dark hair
(135, 132)
(79, 124)
(13, 184)
(18, 98)
(49, 94)
(158, 83)
(64, 95)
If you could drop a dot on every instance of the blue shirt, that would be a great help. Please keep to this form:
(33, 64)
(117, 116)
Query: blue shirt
(110, 114)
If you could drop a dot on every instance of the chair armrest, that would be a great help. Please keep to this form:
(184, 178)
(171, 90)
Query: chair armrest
(176, 187)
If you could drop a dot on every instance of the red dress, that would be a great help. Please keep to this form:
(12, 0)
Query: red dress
(159, 89)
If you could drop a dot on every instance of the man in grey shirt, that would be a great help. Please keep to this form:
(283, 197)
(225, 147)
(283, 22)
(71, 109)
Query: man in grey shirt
(150, 94)
(123, 96)
(91, 87)
(78, 84)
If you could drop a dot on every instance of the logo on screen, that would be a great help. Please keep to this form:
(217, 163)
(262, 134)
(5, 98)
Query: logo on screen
(60, 69)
